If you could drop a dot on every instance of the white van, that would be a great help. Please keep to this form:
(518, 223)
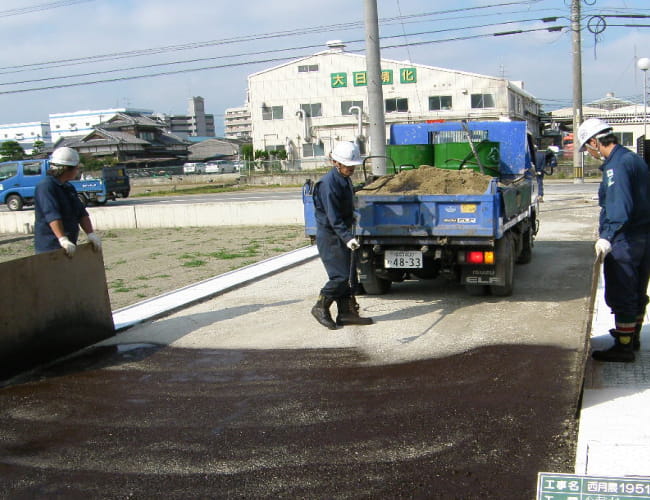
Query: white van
(220, 167)
(193, 168)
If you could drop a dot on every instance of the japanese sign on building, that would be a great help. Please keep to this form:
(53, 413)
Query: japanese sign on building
(360, 78)
(576, 487)
(339, 80)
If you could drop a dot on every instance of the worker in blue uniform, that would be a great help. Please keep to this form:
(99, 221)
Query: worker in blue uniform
(624, 235)
(334, 211)
(544, 161)
(57, 209)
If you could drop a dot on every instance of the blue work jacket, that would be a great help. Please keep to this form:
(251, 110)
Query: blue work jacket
(624, 195)
(55, 200)
(334, 205)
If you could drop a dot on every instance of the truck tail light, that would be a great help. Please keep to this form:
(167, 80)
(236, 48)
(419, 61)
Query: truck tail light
(477, 257)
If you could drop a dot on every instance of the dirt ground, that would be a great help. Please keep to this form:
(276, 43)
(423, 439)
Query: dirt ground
(144, 263)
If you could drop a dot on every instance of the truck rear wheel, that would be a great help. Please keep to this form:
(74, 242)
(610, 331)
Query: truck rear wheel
(372, 284)
(506, 265)
(15, 203)
(526, 254)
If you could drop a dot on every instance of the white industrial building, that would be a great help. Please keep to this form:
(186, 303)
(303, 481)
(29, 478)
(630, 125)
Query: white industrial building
(26, 134)
(305, 105)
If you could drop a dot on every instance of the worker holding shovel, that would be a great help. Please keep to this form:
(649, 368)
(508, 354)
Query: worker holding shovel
(334, 210)
(624, 235)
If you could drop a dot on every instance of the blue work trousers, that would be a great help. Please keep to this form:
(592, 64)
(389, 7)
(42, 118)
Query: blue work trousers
(627, 269)
(336, 257)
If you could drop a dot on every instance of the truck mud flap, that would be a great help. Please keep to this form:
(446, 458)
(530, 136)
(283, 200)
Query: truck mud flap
(481, 275)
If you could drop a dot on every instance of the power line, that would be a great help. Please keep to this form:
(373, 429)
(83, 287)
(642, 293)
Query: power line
(255, 37)
(40, 7)
(256, 53)
(261, 61)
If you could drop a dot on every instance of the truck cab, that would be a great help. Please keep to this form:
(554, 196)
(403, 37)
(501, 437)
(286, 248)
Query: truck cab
(18, 181)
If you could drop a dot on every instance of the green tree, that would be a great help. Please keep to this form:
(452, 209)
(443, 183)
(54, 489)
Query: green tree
(38, 148)
(261, 155)
(11, 150)
(246, 151)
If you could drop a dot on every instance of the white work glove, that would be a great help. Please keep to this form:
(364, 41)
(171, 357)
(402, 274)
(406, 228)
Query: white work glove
(603, 247)
(67, 245)
(353, 244)
(95, 241)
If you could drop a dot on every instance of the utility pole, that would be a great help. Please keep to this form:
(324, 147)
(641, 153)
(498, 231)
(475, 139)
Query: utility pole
(578, 170)
(377, 124)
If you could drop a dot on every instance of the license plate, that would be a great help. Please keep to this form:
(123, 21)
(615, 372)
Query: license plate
(408, 259)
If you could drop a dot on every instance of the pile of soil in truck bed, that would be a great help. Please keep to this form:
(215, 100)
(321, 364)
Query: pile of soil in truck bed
(429, 180)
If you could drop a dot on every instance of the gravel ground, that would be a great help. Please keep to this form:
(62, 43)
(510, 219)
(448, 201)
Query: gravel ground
(144, 263)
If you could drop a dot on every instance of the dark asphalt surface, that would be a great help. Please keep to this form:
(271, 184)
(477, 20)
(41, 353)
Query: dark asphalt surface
(330, 422)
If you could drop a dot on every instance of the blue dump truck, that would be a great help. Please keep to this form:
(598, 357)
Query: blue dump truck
(471, 237)
(18, 181)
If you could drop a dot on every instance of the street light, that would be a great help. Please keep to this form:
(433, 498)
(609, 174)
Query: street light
(644, 64)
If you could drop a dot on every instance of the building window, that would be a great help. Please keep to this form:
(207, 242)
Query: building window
(310, 150)
(625, 138)
(346, 105)
(312, 110)
(272, 113)
(397, 105)
(307, 68)
(482, 101)
(439, 103)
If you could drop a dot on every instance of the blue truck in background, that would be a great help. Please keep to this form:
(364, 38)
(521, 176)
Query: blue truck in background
(18, 181)
(472, 239)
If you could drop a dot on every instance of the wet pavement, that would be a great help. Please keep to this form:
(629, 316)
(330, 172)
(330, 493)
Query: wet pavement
(245, 396)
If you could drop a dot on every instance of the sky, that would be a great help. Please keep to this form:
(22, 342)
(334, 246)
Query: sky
(70, 55)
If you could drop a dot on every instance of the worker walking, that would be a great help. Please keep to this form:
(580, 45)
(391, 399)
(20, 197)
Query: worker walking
(57, 209)
(624, 235)
(334, 211)
(543, 159)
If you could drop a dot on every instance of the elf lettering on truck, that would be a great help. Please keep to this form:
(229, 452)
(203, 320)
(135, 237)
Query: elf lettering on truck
(18, 180)
(472, 239)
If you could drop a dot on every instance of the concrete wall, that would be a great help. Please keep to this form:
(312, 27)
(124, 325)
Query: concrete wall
(246, 213)
(52, 305)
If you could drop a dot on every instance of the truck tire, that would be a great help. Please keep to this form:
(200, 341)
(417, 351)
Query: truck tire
(372, 284)
(506, 258)
(15, 202)
(100, 200)
(526, 254)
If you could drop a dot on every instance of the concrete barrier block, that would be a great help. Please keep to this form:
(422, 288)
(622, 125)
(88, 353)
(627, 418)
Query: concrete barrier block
(52, 305)
(17, 222)
(113, 217)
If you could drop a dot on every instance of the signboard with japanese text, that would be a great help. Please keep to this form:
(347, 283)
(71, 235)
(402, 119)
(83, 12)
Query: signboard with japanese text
(339, 80)
(576, 487)
(408, 75)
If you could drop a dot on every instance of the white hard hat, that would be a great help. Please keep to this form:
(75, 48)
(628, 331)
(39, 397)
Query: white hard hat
(592, 127)
(65, 156)
(346, 153)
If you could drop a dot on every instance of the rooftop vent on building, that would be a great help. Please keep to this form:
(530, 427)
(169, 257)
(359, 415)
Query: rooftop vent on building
(336, 45)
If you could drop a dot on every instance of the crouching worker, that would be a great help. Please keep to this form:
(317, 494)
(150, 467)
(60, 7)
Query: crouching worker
(57, 209)
(334, 210)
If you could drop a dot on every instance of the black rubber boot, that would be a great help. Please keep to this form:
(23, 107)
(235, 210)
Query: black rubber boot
(621, 351)
(636, 338)
(349, 312)
(321, 311)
